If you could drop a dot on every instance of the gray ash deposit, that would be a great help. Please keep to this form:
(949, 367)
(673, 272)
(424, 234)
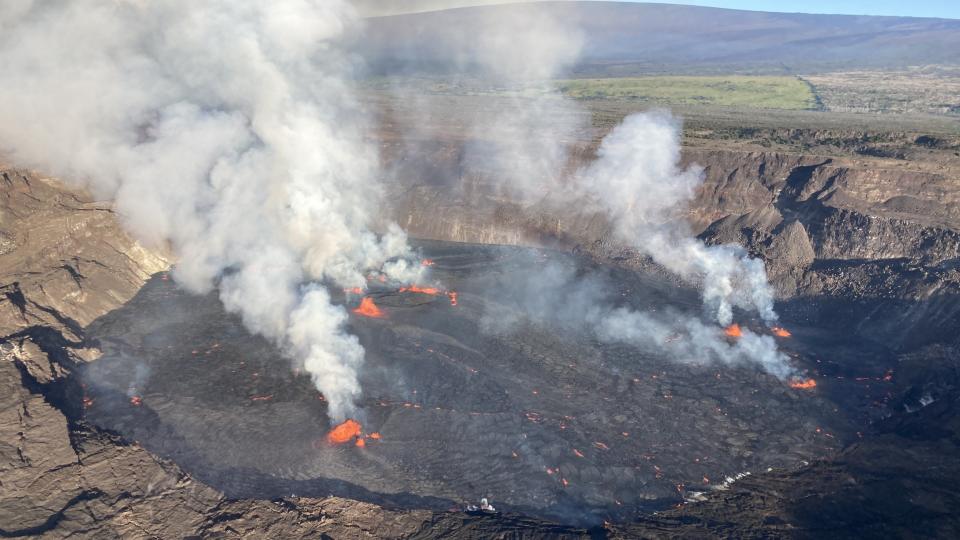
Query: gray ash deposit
(471, 395)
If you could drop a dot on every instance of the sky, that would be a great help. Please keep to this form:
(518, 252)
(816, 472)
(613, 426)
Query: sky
(949, 9)
(914, 8)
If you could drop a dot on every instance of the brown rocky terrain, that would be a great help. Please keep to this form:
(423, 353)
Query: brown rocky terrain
(65, 261)
(853, 238)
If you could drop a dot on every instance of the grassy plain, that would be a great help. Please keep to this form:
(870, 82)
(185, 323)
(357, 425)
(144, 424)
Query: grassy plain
(764, 92)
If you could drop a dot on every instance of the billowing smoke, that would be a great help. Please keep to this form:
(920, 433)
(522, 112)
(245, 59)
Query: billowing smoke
(638, 184)
(226, 129)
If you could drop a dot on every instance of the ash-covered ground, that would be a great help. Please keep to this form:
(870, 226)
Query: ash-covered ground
(477, 395)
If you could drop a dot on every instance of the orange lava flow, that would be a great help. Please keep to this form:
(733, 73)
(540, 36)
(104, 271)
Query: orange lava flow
(453, 298)
(375, 436)
(733, 331)
(803, 384)
(344, 432)
(361, 443)
(427, 262)
(780, 331)
(369, 309)
(136, 401)
(432, 291)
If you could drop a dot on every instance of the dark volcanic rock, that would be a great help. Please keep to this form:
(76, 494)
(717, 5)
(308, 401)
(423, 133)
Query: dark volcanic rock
(471, 400)
(864, 248)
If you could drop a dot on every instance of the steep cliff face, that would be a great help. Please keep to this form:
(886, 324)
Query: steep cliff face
(850, 210)
(846, 210)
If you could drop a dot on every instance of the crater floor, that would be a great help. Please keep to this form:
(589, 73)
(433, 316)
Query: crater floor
(470, 398)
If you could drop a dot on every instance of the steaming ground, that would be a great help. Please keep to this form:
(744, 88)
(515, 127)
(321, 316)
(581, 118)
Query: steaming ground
(472, 400)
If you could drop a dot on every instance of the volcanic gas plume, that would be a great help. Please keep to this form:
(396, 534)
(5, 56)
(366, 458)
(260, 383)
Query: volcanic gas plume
(227, 130)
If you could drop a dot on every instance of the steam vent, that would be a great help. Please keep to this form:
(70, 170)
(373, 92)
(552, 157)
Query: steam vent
(471, 269)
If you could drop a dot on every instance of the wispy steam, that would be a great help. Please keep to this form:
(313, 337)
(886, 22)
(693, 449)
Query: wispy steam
(559, 295)
(522, 142)
(226, 128)
(687, 339)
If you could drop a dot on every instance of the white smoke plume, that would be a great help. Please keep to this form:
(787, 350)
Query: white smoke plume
(637, 182)
(224, 128)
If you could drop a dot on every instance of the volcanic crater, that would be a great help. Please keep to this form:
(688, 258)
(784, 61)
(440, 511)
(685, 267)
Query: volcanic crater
(468, 394)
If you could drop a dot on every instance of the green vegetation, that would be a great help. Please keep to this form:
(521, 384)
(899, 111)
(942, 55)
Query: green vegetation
(771, 92)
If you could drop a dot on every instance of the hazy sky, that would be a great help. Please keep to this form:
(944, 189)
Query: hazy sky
(914, 8)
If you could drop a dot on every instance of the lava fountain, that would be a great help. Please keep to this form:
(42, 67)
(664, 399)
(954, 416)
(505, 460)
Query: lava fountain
(733, 331)
(803, 384)
(779, 331)
(368, 308)
(345, 432)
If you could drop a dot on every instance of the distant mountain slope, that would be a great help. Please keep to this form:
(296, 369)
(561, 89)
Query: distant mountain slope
(374, 8)
(636, 37)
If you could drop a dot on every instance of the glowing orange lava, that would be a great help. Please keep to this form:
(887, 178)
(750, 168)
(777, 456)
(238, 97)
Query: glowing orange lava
(136, 401)
(375, 436)
(427, 262)
(432, 291)
(344, 432)
(733, 331)
(361, 443)
(803, 384)
(369, 309)
(779, 331)
(453, 298)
